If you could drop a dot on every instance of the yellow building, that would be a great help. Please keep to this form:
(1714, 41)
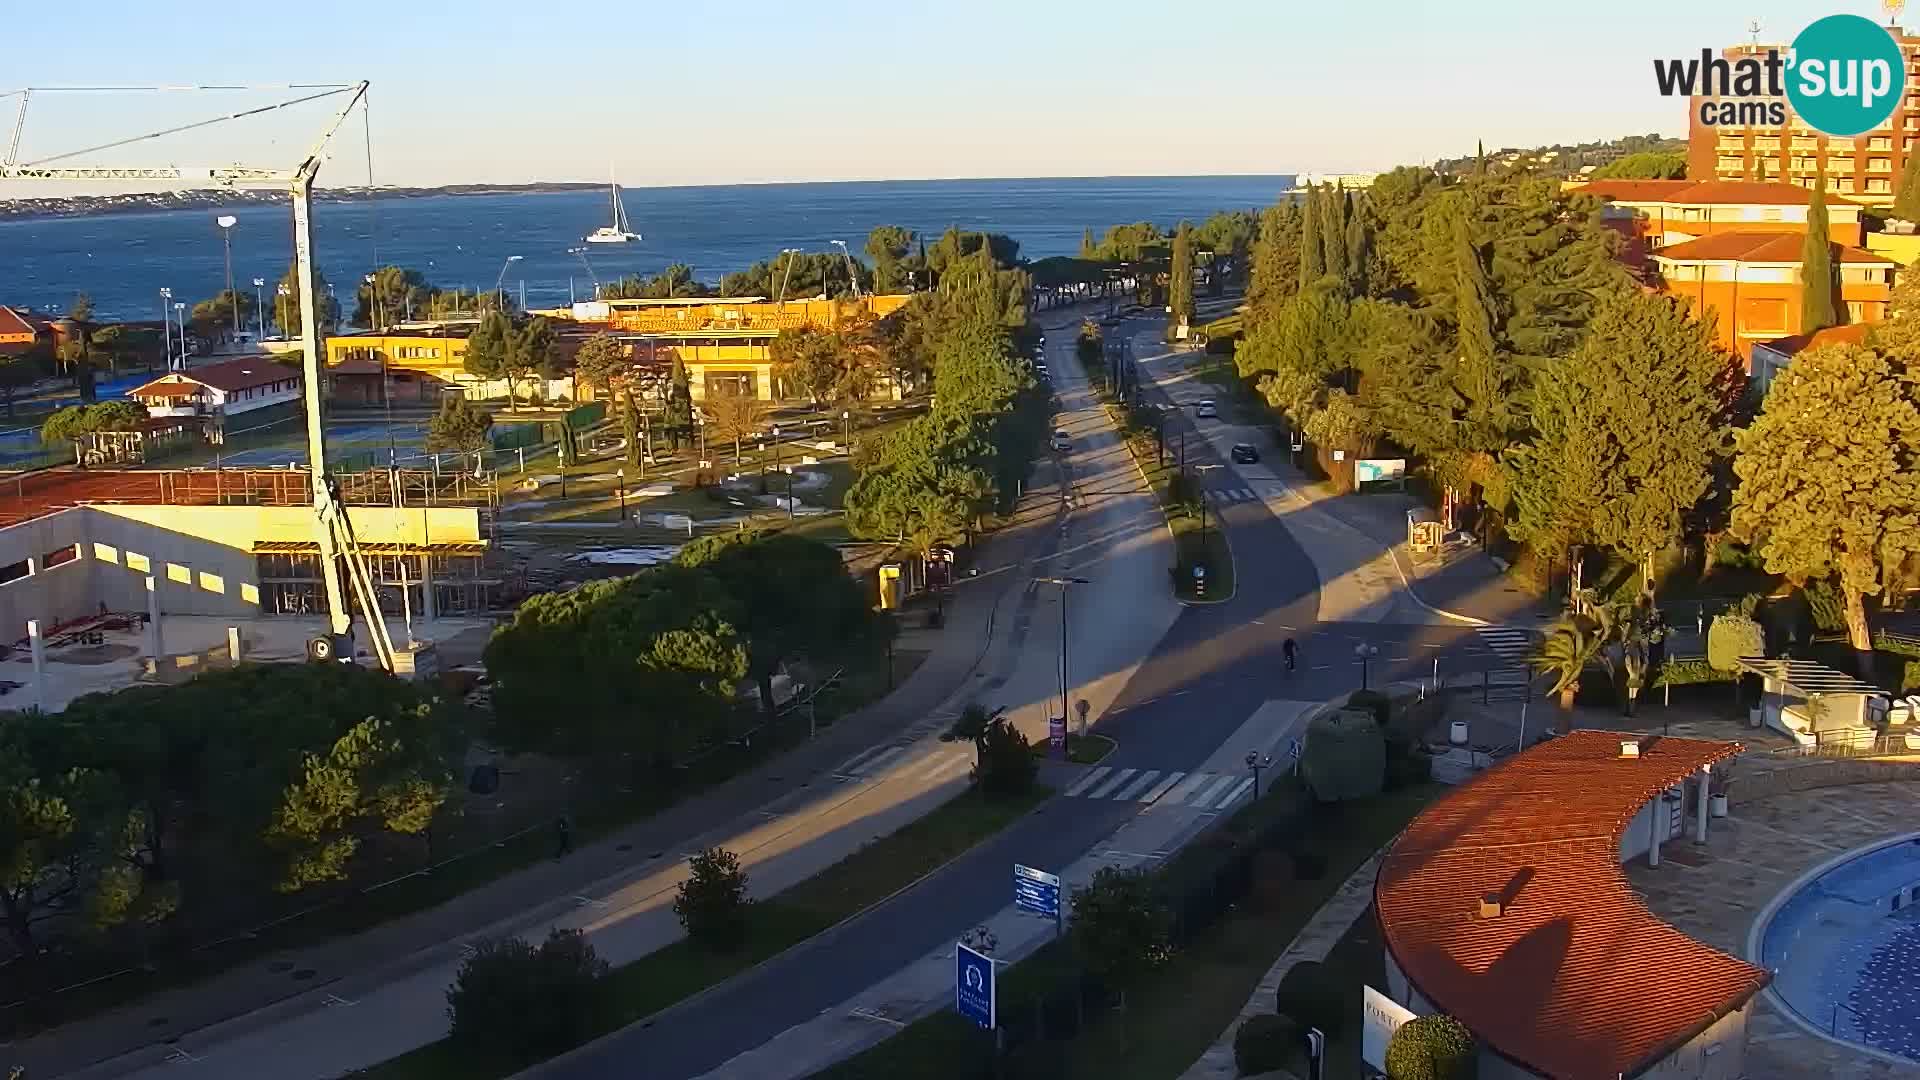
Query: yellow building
(725, 344)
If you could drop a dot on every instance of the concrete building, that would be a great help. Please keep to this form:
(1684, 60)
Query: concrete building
(1504, 906)
(1865, 167)
(17, 335)
(220, 393)
(1770, 358)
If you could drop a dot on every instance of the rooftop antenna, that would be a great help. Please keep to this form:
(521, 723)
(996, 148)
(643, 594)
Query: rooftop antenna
(1753, 33)
(1893, 9)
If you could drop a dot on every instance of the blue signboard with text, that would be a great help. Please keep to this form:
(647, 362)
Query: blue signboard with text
(1036, 891)
(973, 990)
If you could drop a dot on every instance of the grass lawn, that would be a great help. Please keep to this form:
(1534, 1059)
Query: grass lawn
(684, 968)
(1081, 749)
(1186, 1006)
(1192, 545)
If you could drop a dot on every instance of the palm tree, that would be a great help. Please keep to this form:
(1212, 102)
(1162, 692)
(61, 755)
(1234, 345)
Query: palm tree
(1573, 644)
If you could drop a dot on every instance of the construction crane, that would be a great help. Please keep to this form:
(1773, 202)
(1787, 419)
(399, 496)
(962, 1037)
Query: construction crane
(334, 530)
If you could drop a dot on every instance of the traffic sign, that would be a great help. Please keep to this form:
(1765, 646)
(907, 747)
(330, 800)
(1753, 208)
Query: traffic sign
(1036, 891)
(973, 990)
(1057, 735)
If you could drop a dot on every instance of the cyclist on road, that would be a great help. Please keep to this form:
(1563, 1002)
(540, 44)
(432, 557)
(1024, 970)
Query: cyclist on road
(1287, 647)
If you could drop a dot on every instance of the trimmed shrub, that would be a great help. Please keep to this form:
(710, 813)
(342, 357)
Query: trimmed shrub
(1308, 997)
(1432, 1048)
(1407, 764)
(517, 1003)
(1345, 756)
(1732, 636)
(1688, 672)
(1372, 701)
(1004, 762)
(712, 902)
(1265, 1043)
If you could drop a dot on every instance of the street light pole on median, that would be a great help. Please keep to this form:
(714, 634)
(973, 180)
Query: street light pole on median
(1066, 585)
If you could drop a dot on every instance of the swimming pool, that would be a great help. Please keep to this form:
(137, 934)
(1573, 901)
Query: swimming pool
(1844, 946)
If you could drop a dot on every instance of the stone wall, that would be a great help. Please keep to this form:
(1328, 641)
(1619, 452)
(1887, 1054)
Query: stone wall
(1806, 774)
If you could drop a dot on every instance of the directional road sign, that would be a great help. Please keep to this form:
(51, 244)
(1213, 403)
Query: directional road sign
(1036, 891)
(973, 990)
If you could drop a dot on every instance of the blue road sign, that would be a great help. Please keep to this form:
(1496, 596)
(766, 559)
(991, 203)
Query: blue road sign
(973, 991)
(1036, 891)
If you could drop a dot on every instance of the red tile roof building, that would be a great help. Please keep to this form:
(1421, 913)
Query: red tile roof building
(1504, 905)
(17, 335)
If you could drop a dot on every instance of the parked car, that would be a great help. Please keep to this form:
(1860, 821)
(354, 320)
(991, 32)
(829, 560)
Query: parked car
(1244, 454)
(1061, 442)
(1206, 411)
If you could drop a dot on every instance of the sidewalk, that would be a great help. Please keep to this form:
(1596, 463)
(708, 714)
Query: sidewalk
(277, 987)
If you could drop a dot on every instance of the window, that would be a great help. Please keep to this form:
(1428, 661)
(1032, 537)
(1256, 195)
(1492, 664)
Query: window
(249, 593)
(59, 556)
(212, 582)
(1763, 316)
(106, 552)
(1771, 213)
(13, 571)
(181, 574)
(138, 563)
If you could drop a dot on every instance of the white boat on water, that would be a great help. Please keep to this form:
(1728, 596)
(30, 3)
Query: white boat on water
(620, 232)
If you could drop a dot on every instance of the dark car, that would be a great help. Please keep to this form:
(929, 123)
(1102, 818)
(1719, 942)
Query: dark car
(1244, 454)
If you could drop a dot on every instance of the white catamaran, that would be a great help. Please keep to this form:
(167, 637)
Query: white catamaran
(620, 232)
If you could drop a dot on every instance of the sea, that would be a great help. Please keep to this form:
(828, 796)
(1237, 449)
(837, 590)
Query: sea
(123, 260)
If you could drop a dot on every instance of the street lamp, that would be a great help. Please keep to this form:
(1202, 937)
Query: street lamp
(373, 302)
(781, 299)
(180, 319)
(853, 276)
(584, 261)
(1203, 503)
(259, 308)
(846, 425)
(280, 294)
(620, 477)
(1363, 653)
(226, 223)
(776, 468)
(1255, 762)
(166, 326)
(1065, 583)
(498, 297)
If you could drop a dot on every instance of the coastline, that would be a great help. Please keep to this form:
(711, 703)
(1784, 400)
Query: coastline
(74, 206)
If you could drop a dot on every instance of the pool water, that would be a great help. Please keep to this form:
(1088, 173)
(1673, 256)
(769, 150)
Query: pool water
(1845, 949)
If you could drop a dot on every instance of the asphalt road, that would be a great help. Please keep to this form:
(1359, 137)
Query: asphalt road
(1214, 667)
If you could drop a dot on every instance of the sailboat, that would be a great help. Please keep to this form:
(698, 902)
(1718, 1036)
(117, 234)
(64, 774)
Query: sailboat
(620, 232)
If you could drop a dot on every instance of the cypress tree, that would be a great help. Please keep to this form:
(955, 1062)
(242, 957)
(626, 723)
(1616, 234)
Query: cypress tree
(1276, 261)
(1180, 279)
(1906, 202)
(1087, 248)
(1333, 232)
(1313, 257)
(1477, 376)
(1817, 308)
(1359, 248)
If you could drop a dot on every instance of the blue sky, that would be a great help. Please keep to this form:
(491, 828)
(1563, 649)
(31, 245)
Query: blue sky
(747, 91)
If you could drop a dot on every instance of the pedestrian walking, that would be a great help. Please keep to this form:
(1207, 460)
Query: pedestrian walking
(1290, 651)
(563, 832)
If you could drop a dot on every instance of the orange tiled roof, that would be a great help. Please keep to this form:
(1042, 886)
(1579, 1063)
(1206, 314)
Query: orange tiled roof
(17, 335)
(1745, 245)
(1853, 334)
(1575, 978)
(227, 376)
(1633, 190)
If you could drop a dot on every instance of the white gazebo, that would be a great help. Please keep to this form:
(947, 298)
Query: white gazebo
(1816, 705)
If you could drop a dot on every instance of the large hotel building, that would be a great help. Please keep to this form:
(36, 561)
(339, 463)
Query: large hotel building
(1865, 168)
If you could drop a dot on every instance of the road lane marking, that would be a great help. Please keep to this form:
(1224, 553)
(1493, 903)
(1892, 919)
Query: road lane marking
(1160, 788)
(1140, 784)
(943, 766)
(1187, 787)
(1234, 795)
(1106, 789)
(1089, 780)
(1205, 799)
(878, 761)
(846, 767)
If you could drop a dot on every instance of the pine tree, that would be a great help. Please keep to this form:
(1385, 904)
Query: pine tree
(1817, 308)
(1906, 203)
(1180, 280)
(1313, 257)
(1359, 247)
(1479, 157)
(1275, 274)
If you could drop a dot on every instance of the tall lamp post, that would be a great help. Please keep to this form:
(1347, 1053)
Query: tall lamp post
(1363, 653)
(591, 276)
(1203, 503)
(1255, 762)
(259, 308)
(280, 294)
(180, 324)
(846, 426)
(620, 477)
(166, 325)
(1066, 585)
(781, 299)
(226, 223)
(499, 297)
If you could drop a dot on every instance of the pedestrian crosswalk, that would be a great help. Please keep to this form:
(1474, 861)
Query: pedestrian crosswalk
(1198, 790)
(1233, 495)
(943, 763)
(1511, 645)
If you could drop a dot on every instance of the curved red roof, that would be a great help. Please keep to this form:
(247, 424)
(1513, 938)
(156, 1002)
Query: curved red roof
(1574, 977)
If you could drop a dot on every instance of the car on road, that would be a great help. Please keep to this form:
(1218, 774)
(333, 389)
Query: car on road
(1206, 411)
(1061, 442)
(1244, 454)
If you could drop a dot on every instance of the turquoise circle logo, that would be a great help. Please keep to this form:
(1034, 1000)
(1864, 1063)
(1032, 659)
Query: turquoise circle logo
(1846, 75)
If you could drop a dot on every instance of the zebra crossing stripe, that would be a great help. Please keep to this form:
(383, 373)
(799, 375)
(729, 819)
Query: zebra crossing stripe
(1186, 787)
(848, 767)
(879, 760)
(1205, 798)
(1140, 784)
(1106, 789)
(1160, 788)
(1089, 780)
(943, 766)
(1234, 795)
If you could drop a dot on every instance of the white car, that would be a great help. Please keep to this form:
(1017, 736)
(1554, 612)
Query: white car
(1206, 411)
(1061, 442)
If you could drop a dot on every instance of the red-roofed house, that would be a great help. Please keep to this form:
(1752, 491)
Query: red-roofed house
(1653, 214)
(17, 335)
(1770, 358)
(218, 392)
(1746, 284)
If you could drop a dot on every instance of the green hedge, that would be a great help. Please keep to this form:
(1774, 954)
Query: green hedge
(1266, 1043)
(1345, 756)
(1308, 997)
(1691, 672)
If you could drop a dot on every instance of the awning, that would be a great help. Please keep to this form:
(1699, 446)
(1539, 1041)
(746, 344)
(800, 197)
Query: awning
(308, 547)
(1807, 677)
